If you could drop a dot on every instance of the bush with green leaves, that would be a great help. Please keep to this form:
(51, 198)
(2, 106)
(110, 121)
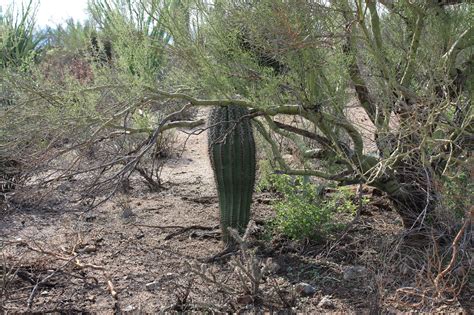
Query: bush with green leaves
(137, 35)
(75, 112)
(305, 213)
(457, 190)
(19, 48)
(19, 41)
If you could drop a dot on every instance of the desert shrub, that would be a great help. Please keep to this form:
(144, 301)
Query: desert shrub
(265, 173)
(304, 212)
(74, 114)
(374, 112)
(72, 36)
(138, 38)
(19, 41)
(19, 48)
(457, 188)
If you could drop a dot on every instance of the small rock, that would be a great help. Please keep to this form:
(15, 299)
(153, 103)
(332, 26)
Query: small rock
(305, 289)
(127, 213)
(128, 308)
(153, 285)
(326, 302)
(354, 272)
(90, 249)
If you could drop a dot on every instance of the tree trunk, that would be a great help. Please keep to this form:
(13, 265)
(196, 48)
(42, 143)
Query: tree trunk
(411, 189)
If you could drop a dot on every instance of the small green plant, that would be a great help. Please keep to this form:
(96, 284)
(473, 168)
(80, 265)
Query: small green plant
(457, 189)
(304, 213)
(265, 176)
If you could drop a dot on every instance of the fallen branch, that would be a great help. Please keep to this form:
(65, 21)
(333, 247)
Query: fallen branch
(192, 227)
(164, 227)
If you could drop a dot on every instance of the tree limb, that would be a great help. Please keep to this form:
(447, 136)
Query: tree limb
(171, 125)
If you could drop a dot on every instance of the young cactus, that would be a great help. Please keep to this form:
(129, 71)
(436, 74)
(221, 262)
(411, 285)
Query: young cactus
(232, 153)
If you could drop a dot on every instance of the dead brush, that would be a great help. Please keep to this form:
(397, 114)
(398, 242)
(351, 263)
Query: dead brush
(7, 276)
(248, 268)
(181, 288)
(444, 275)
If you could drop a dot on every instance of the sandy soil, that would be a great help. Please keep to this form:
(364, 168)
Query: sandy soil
(123, 257)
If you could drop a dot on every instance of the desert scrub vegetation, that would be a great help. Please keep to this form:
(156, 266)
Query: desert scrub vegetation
(93, 99)
(19, 46)
(342, 94)
(310, 211)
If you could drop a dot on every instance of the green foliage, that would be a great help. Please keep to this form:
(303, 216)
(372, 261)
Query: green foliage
(72, 37)
(137, 35)
(457, 190)
(19, 46)
(19, 42)
(266, 176)
(303, 213)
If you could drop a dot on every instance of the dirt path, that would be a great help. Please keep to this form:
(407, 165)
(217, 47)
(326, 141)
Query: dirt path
(132, 252)
(192, 168)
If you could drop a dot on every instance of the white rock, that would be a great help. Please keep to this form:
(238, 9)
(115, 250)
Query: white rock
(129, 308)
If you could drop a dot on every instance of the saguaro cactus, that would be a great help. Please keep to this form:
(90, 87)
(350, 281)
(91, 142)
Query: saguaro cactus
(232, 154)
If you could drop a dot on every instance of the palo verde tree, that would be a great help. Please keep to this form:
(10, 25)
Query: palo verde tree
(404, 67)
(384, 88)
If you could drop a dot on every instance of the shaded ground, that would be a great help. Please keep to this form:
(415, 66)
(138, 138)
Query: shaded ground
(120, 257)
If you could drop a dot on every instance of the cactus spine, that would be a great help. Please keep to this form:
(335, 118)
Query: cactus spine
(232, 152)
